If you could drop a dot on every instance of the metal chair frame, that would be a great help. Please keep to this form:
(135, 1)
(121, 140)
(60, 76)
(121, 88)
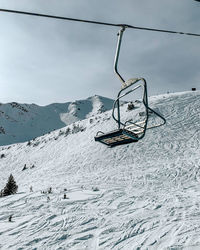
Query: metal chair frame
(134, 131)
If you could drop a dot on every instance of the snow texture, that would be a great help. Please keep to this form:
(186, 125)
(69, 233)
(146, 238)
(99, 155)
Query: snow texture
(144, 195)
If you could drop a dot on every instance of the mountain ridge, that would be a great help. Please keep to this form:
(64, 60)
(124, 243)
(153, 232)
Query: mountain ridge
(23, 122)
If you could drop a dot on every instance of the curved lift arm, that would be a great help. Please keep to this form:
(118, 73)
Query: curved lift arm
(120, 34)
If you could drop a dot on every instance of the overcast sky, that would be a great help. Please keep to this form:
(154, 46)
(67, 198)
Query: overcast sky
(46, 60)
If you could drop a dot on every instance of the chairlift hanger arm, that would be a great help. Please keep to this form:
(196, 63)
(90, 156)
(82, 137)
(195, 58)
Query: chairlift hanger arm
(96, 22)
(120, 34)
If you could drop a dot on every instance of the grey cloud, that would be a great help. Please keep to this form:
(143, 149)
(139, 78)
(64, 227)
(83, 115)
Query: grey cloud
(45, 60)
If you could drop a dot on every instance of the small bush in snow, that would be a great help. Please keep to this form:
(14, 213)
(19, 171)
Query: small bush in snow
(10, 218)
(65, 197)
(130, 106)
(67, 132)
(2, 156)
(95, 189)
(24, 168)
(36, 143)
(77, 128)
(61, 132)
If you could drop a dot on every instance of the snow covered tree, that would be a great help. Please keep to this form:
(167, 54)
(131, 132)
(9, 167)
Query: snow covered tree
(11, 186)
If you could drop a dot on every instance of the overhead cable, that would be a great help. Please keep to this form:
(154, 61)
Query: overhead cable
(96, 22)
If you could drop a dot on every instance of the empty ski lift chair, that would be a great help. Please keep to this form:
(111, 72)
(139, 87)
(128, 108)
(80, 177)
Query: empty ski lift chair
(127, 132)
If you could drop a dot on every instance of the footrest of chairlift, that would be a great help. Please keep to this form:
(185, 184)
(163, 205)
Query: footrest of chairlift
(117, 137)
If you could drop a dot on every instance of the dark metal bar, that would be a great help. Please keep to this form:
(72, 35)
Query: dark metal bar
(120, 34)
(56, 17)
(96, 22)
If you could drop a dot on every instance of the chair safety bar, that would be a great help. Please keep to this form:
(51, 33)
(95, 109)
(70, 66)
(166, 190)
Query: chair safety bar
(141, 126)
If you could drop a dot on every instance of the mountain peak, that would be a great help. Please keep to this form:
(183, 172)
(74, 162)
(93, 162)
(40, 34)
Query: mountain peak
(23, 122)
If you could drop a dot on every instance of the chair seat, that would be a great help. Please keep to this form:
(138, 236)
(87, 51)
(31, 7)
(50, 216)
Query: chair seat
(117, 137)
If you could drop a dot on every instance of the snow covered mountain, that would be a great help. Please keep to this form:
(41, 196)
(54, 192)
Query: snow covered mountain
(144, 195)
(23, 122)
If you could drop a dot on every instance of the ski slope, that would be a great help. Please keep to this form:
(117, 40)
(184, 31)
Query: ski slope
(144, 195)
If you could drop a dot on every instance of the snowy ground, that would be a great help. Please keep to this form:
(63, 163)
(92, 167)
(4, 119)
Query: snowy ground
(149, 192)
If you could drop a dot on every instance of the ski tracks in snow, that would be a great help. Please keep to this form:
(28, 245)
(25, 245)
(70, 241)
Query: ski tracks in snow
(149, 192)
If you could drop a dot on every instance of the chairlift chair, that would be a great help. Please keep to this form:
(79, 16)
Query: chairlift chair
(127, 132)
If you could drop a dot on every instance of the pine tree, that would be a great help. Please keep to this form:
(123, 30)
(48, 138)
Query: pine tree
(11, 186)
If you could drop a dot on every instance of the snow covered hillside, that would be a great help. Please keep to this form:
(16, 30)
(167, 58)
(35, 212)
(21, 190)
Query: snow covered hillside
(23, 122)
(144, 195)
